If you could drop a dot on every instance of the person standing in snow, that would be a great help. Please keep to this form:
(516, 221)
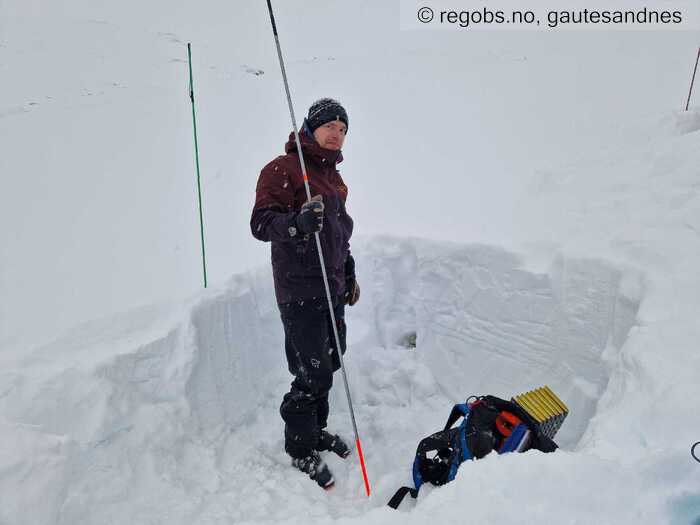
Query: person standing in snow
(283, 216)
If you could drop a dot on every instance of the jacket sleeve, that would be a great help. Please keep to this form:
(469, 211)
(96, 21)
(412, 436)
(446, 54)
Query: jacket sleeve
(274, 211)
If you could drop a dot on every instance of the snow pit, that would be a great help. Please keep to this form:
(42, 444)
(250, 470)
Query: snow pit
(171, 416)
(485, 324)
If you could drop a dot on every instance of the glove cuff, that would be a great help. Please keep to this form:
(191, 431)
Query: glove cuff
(350, 268)
(293, 226)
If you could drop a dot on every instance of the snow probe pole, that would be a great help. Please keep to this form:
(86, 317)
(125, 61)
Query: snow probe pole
(320, 252)
(687, 104)
(196, 157)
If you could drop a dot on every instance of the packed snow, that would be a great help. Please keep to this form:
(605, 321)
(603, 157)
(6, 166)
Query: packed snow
(183, 404)
(527, 213)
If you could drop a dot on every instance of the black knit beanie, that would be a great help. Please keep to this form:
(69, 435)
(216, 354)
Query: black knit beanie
(323, 111)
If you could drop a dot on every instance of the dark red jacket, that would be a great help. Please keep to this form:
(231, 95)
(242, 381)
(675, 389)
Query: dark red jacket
(278, 198)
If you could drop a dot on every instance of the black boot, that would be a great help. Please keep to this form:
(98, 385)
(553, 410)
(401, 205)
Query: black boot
(316, 468)
(333, 443)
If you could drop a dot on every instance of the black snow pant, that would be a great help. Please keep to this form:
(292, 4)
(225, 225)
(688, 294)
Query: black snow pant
(312, 358)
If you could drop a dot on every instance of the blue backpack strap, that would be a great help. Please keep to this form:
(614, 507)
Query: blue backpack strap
(461, 410)
(417, 476)
(517, 441)
(466, 451)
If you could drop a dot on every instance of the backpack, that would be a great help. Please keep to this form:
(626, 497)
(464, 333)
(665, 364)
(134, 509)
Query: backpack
(487, 423)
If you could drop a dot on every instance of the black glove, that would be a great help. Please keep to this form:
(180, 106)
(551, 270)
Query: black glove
(352, 289)
(310, 218)
(352, 292)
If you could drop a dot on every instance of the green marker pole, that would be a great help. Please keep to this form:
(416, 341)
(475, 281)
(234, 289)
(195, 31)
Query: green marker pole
(687, 104)
(196, 157)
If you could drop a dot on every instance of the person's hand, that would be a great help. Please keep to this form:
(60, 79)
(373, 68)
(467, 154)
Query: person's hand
(310, 218)
(352, 289)
(352, 292)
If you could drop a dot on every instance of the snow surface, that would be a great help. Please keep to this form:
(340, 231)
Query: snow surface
(171, 416)
(558, 165)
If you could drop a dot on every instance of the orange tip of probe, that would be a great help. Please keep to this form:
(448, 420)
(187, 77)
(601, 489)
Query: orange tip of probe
(362, 464)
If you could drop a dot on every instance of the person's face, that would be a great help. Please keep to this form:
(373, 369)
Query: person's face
(331, 135)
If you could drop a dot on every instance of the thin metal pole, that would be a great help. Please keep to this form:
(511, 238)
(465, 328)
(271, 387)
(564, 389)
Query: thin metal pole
(687, 104)
(320, 251)
(196, 157)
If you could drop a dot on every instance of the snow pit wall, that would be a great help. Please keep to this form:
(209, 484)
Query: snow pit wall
(115, 409)
(240, 352)
(483, 324)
